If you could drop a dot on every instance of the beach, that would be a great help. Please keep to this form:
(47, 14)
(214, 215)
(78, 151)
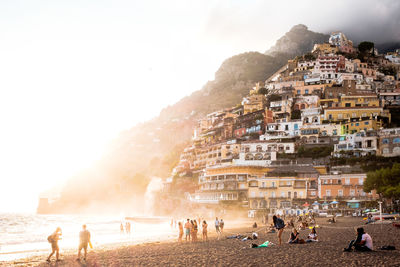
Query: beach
(234, 252)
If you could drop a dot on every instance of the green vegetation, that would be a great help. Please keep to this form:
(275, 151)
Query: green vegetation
(262, 91)
(367, 163)
(315, 152)
(295, 115)
(385, 181)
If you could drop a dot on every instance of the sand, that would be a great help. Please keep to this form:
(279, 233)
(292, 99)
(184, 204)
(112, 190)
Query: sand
(233, 252)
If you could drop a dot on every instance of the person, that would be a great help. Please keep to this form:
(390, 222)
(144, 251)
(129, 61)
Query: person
(204, 226)
(180, 231)
(221, 225)
(279, 225)
(369, 218)
(53, 240)
(217, 227)
(195, 229)
(121, 227)
(128, 228)
(312, 236)
(271, 229)
(294, 237)
(84, 240)
(188, 227)
(255, 225)
(363, 242)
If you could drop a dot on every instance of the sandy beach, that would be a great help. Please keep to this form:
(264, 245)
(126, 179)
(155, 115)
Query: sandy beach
(234, 252)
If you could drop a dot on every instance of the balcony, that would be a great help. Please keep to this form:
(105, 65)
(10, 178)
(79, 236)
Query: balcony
(267, 187)
(299, 187)
(286, 185)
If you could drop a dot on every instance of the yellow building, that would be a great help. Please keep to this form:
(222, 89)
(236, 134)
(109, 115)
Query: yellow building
(345, 113)
(358, 125)
(367, 100)
(253, 103)
(325, 48)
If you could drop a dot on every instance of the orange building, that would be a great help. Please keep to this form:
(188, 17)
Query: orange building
(343, 187)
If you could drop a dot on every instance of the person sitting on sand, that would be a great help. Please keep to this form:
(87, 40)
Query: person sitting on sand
(294, 237)
(369, 218)
(84, 240)
(255, 225)
(180, 226)
(188, 227)
(279, 225)
(271, 229)
(204, 226)
(53, 240)
(312, 237)
(363, 242)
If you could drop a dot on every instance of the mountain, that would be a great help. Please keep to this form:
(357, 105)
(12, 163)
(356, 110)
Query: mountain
(297, 41)
(152, 149)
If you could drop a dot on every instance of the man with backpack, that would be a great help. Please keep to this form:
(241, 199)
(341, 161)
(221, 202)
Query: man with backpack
(53, 240)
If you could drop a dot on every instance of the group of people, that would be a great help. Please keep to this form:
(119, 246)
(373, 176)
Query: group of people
(363, 241)
(84, 241)
(191, 228)
(127, 228)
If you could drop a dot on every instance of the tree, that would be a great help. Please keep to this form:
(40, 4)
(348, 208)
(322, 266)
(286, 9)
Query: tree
(385, 181)
(262, 91)
(366, 47)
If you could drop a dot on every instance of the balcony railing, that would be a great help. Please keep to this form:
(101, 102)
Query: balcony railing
(267, 187)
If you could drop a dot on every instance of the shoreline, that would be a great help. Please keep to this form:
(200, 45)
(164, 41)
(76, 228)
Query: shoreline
(234, 252)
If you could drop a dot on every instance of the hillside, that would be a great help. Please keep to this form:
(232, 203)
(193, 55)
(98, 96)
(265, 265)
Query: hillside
(153, 148)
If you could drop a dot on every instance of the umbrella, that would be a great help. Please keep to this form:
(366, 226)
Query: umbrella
(306, 204)
(315, 203)
(334, 202)
(367, 210)
(325, 203)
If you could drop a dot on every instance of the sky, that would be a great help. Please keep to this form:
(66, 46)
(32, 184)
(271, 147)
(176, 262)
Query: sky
(74, 74)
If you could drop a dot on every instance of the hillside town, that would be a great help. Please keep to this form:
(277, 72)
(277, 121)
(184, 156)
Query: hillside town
(281, 148)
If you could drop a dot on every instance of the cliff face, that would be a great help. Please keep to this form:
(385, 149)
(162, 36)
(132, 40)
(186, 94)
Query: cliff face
(297, 41)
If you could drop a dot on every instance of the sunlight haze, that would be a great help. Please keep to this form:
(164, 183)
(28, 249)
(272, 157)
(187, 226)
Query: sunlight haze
(74, 74)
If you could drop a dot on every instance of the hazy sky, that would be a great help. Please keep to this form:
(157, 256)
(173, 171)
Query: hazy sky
(73, 74)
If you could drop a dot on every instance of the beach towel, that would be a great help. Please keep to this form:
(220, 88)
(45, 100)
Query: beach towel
(263, 245)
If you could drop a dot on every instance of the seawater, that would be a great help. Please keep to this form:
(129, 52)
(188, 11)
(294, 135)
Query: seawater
(23, 235)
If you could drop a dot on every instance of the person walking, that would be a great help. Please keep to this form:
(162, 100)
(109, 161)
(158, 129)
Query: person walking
(84, 240)
(221, 226)
(53, 240)
(217, 227)
(279, 225)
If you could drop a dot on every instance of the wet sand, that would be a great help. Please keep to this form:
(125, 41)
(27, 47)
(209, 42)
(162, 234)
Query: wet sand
(233, 252)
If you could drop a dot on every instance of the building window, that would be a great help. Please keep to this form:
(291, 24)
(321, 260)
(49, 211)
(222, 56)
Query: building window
(340, 193)
(396, 140)
(282, 194)
(361, 181)
(352, 192)
(385, 141)
(347, 181)
(340, 116)
(328, 193)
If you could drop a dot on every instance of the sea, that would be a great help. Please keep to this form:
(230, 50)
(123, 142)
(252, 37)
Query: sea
(25, 235)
